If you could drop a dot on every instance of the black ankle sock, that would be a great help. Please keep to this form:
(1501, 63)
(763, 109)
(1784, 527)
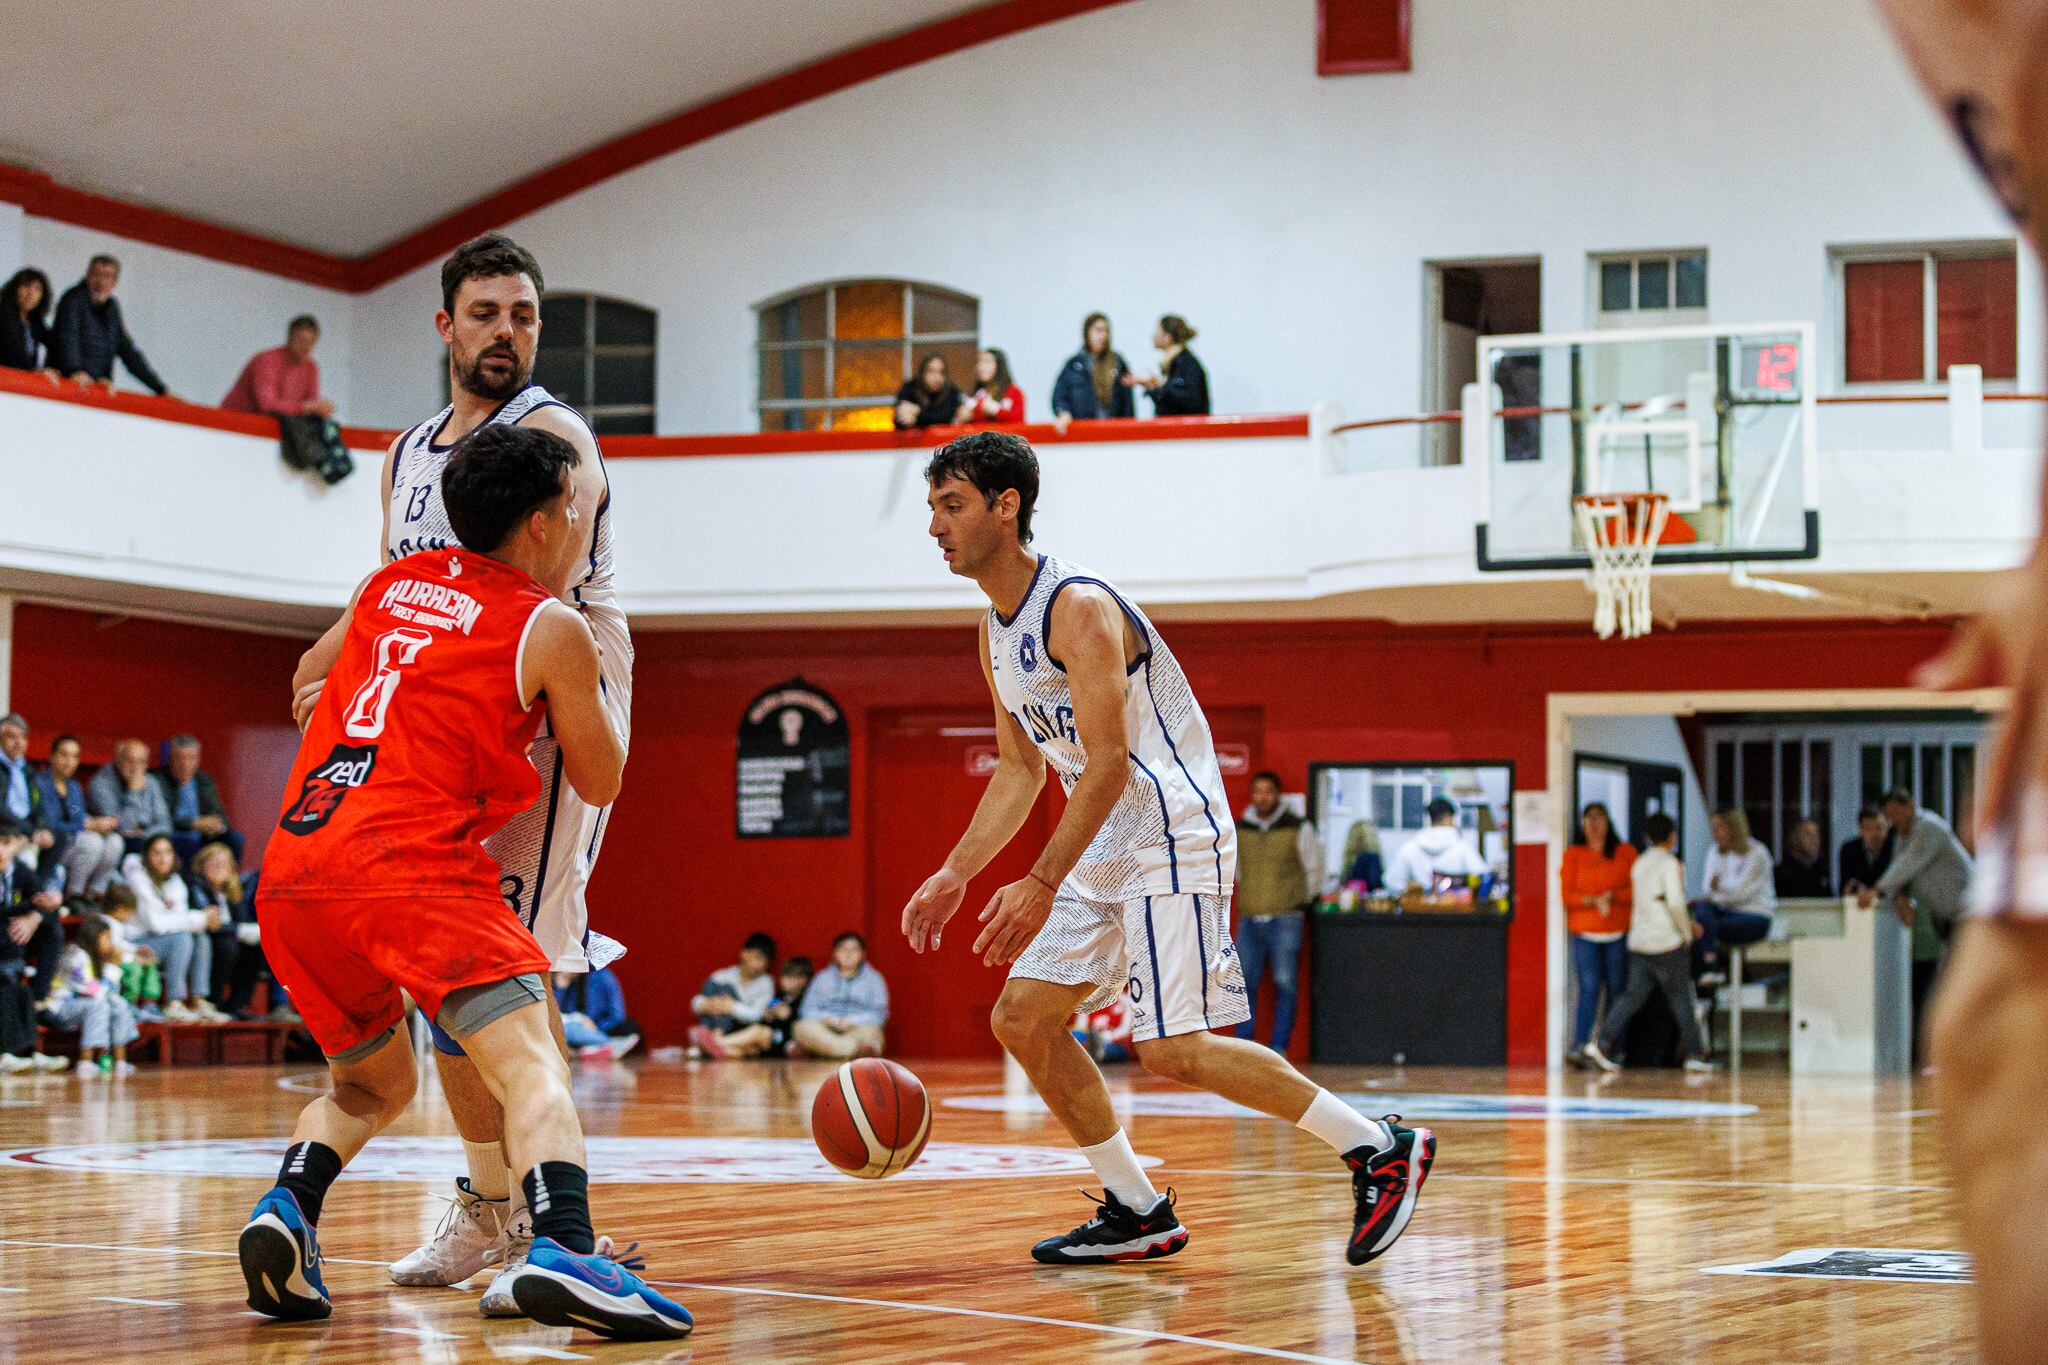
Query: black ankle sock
(558, 1196)
(309, 1168)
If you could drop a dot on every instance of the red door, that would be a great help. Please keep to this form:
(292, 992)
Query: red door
(926, 772)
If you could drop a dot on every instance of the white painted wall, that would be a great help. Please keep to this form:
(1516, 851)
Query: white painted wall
(197, 320)
(1648, 739)
(1182, 155)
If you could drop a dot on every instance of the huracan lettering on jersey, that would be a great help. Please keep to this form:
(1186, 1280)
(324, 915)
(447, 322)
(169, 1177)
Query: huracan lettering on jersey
(432, 600)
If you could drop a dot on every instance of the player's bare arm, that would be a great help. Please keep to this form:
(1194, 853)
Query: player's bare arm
(1089, 627)
(1005, 805)
(587, 481)
(316, 663)
(560, 664)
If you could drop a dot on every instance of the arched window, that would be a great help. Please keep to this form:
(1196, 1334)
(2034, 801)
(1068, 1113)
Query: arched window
(833, 355)
(597, 355)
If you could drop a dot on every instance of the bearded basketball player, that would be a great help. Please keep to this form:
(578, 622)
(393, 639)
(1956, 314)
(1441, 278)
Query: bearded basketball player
(1986, 64)
(1134, 885)
(490, 323)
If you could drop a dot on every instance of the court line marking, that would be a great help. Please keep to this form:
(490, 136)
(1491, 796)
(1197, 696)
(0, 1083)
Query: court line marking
(1593, 1180)
(1107, 1329)
(139, 1303)
(6, 1290)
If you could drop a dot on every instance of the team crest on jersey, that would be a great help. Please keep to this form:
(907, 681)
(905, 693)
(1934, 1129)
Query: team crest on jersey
(1027, 654)
(340, 773)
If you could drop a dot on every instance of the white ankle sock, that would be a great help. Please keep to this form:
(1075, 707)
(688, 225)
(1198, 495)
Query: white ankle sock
(486, 1169)
(1116, 1165)
(1343, 1127)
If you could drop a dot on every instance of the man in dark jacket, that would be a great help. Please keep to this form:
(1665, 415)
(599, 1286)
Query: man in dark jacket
(197, 815)
(89, 334)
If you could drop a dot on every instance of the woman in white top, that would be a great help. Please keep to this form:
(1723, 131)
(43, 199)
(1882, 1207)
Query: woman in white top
(169, 927)
(1740, 897)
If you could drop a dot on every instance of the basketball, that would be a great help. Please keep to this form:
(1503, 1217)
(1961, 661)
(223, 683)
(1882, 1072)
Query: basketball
(871, 1119)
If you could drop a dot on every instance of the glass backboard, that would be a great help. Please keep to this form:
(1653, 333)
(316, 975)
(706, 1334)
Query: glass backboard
(1719, 419)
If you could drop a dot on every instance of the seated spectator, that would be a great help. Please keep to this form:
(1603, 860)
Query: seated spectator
(1863, 859)
(18, 797)
(1439, 851)
(1095, 382)
(735, 998)
(179, 936)
(594, 1013)
(25, 322)
(1740, 899)
(790, 985)
(283, 381)
(1803, 871)
(28, 958)
(88, 997)
(1659, 933)
(845, 1008)
(196, 812)
(995, 400)
(217, 882)
(142, 979)
(124, 789)
(930, 399)
(90, 334)
(1181, 388)
(84, 846)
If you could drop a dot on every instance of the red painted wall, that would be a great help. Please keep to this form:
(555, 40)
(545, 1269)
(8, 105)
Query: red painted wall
(680, 887)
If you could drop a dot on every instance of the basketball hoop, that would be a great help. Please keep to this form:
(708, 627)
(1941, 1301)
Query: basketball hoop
(1621, 532)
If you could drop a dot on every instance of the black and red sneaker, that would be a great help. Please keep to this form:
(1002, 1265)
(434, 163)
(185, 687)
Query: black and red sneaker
(1117, 1233)
(1385, 1182)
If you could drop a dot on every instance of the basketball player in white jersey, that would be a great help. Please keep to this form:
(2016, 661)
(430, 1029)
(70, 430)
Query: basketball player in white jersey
(1986, 64)
(1134, 885)
(490, 323)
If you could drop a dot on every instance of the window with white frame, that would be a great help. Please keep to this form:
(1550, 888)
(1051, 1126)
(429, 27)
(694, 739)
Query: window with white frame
(833, 355)
(597, 355)
(1646, 289)
(1908, 313)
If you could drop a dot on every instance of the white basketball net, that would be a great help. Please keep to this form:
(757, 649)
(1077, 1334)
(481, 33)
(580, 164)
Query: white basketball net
(1621, 532)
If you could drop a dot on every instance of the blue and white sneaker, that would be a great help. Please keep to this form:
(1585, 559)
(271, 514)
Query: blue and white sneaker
(598, 1292)
(281, 1260)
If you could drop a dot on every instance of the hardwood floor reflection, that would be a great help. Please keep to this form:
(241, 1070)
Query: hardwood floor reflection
(1579, 1229)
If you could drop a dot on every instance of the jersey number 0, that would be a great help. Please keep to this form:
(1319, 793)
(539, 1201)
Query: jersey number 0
(395, 649)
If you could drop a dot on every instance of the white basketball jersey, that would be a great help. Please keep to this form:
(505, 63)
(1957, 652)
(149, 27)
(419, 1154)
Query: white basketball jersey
(418, 520)
(1170, 832)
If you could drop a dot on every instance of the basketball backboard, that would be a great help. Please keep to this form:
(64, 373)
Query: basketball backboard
(1719, 419)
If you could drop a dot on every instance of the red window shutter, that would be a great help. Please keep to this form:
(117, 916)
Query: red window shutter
(1354, 36)
(1883, 321)
(1976, 321)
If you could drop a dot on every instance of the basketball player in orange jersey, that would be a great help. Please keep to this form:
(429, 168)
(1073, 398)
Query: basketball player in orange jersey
(377, 881)
(1986, 64)
(1133, 889)
(490, 322)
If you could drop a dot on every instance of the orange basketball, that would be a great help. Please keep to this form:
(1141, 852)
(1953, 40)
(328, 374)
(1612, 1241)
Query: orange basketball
(871, 1119)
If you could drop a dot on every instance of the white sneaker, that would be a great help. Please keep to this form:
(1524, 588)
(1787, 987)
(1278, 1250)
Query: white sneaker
(210, 1013)
(13, 1066)
(497, 1301)
(49, 1065)
(623, 1044)
(471, 1237)
(178, 1012)
(88, 1068)
(124, 1068)
(1600, 1059)
(1700, 1065)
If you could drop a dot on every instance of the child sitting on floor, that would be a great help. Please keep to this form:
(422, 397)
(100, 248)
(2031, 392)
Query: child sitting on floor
(86, 995)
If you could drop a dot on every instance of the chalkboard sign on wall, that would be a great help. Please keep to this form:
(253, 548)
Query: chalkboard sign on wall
(795, 766)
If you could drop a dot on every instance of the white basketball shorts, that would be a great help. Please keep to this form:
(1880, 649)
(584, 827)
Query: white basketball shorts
(546, 852)
(1174, 952)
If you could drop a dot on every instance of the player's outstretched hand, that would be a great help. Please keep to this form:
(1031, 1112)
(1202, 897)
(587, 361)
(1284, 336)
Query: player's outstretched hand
(935, 902)
(2006, 645)
(304, 700)
(1013, 918)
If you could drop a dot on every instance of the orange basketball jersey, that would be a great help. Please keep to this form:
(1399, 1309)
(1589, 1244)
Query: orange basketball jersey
(417, 749)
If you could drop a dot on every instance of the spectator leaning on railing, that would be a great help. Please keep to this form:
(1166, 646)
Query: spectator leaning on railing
(929, 398)
(996, 401)
(1095, 382)
(25, 321)
(283, 381)
(1181, 388)
(90, 334)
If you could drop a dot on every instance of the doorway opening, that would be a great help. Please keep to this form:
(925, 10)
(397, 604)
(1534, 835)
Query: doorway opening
(1468, 300)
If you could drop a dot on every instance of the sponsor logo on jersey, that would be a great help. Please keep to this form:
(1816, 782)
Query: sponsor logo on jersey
(431, 604)
(341, 772)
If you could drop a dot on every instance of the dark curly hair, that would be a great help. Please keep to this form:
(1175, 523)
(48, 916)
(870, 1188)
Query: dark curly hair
(486, 258)
(992, 461)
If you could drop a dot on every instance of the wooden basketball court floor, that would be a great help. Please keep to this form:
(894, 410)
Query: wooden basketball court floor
(1575, 1221)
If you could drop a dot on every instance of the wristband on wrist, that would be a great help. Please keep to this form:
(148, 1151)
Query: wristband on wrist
(1043, 882)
